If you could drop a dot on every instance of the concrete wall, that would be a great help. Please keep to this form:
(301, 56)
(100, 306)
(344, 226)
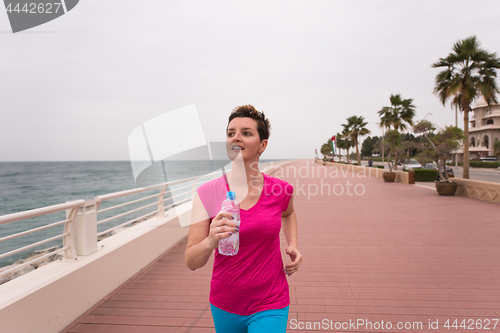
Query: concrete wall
(476, 189)
(53, 296)
(401, 176)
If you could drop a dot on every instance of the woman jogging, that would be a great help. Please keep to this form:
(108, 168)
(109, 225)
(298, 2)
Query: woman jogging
(249, 291)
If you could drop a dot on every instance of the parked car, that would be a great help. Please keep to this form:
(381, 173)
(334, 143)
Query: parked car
(411, 164)
(488, 159)
(484, 159)
(433, 166)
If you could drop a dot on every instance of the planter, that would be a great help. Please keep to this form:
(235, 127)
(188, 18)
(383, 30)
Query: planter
(446, 188)
(389, 177)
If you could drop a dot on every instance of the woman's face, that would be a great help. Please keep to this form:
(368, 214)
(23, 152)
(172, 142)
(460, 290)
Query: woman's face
(242, 136)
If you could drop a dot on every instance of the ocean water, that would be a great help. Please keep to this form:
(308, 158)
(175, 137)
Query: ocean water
(30, 185)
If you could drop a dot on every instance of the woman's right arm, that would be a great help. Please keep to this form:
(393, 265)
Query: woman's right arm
(203, 235)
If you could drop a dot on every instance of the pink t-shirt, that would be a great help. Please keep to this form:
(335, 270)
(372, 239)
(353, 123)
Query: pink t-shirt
(253, 280)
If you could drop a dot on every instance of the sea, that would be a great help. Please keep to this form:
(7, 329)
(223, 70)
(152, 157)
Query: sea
(29, 185)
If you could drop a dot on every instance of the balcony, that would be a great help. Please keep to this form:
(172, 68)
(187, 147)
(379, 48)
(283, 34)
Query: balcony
(484, 128)
(492, 114)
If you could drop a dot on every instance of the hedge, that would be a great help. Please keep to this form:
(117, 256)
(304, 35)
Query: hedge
(425, 175)
(477, 164)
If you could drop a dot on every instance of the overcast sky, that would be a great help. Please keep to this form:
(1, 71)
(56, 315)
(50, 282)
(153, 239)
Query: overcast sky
(76, 87)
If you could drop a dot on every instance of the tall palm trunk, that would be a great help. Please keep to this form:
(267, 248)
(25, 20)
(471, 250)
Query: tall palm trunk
(389, 161)
(357, 151)
(466, 143)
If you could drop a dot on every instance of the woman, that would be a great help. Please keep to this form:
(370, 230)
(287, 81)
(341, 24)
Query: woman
(248, 291)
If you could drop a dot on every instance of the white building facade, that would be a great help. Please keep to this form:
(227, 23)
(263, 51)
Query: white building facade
(484, 129)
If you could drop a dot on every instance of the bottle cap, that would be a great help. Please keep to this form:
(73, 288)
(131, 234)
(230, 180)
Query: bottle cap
(231, 195)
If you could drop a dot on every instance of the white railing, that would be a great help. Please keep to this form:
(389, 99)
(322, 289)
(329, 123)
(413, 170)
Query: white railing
(80, 226)
(160, 208)
(67, 235)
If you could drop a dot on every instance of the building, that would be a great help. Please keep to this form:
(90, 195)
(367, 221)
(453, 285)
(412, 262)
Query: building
(484, 129)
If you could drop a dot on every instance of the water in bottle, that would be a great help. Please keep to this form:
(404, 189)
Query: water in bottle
(229, 246)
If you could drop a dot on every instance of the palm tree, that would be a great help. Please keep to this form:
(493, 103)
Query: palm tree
(469, 72)
(398, 115)
(355, 127)
(346, 143)
(326, 149)
(340, 143)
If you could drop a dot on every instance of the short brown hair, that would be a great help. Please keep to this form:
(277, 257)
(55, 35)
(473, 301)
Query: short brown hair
(248, 111)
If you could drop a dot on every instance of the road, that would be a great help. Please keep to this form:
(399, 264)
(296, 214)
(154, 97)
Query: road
(486, 175)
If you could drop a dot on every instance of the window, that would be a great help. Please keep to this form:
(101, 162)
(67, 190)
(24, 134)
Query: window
(473, 142)
(489, 122)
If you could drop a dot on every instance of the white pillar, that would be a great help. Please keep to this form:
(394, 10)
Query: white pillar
(85, 229)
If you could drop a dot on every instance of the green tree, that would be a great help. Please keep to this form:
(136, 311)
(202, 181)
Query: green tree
(355, 127)
(392, 139)
(377, 145)
(398, 116)
(346, 143)
(470, 71)
(442, 144)
(367, 146)
(340, 143)
(326, 149)
(496, 148)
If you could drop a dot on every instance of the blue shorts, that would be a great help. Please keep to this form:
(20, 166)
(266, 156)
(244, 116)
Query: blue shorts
(268, 321)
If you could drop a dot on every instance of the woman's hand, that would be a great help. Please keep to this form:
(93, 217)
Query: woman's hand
(296, 258)
(221, 227)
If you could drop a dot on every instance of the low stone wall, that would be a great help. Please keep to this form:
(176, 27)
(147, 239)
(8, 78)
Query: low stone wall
(401, 176)
(486, 191)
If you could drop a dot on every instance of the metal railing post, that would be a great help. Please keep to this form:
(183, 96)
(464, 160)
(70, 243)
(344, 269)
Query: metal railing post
(161, 196)
(194, 187)
(69, 229)
(83, 227)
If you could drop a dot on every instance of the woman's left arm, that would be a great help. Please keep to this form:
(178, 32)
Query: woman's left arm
(289, 226)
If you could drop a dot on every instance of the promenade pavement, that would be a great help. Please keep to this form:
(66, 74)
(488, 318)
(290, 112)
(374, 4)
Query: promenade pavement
(388, 252)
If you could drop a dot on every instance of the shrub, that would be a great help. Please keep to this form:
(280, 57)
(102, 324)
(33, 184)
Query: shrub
(376, 166)
(355, 164)
(425, 175)
(491, 165)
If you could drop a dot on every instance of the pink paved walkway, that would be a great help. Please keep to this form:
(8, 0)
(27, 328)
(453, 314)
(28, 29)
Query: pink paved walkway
(393, 253)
